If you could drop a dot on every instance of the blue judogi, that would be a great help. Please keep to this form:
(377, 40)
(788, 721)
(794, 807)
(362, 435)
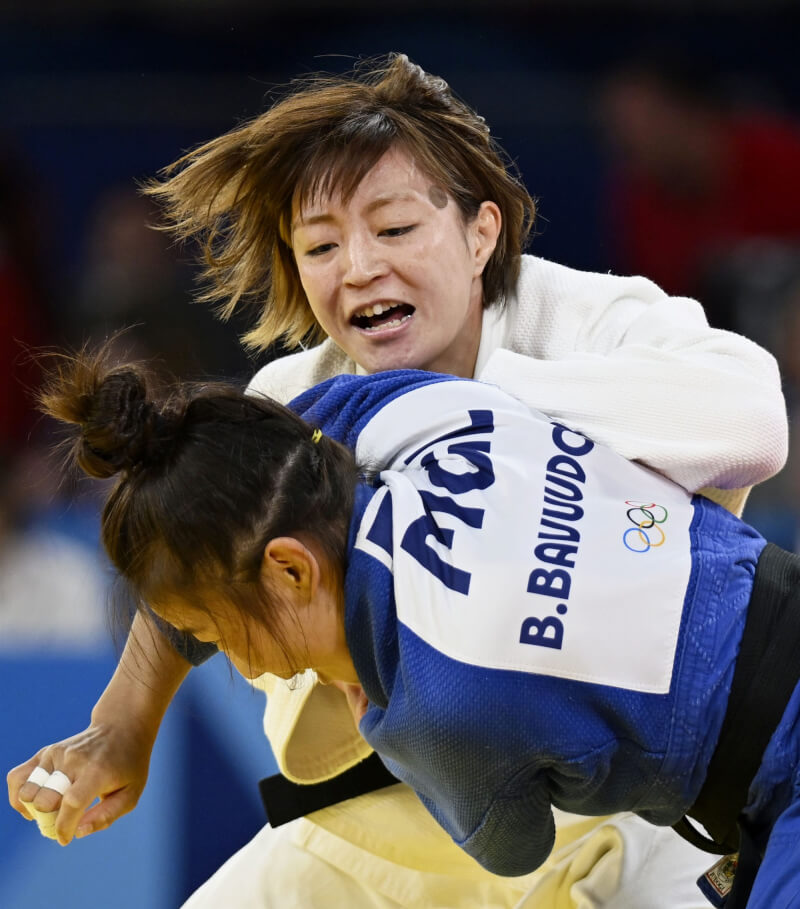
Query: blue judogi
(503, 575)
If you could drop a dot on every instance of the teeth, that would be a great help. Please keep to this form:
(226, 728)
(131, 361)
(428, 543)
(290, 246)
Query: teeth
(393, 324)
(378, 309)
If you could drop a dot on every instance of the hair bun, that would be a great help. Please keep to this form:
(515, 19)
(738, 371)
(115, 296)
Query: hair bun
(124, 430)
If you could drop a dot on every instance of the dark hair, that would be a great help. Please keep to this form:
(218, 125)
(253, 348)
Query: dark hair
(205, 478)
(235, 193)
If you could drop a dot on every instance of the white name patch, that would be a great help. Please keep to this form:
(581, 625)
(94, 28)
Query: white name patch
(519, 544)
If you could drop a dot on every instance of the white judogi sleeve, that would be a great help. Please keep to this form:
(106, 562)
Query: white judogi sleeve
(643, 373)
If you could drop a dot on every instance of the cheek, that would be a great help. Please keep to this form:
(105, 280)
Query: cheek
(307, 282)
(317, 285)
(450, 248)
(448, 274)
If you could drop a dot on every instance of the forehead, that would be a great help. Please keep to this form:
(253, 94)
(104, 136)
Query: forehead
(396, 176)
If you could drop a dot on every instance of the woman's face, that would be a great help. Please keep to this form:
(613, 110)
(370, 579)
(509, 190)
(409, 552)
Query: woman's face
(246, 643)
(394, 275)
(304, 595)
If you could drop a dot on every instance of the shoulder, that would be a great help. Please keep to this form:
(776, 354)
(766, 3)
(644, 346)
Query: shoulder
(557, 309)
(344, 405)
(287, 377)
(542, 281)
(426, 407)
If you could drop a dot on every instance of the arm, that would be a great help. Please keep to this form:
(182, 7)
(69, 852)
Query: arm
(517, 833)
(644, 373)
(110, 759)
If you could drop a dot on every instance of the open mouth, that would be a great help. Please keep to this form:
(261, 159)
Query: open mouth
(382, 316)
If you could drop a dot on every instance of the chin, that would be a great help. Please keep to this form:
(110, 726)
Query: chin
(379, 361)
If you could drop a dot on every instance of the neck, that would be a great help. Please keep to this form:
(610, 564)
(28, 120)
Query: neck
(460, 359)
(340, 671)
(332, 660)
(336, 664)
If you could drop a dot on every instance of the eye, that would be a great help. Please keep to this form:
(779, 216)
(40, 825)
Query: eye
(397, 231)
(203, 636)
(204, 632)
(320, 250)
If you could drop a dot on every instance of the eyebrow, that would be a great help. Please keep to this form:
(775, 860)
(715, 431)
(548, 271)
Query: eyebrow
(374, 205)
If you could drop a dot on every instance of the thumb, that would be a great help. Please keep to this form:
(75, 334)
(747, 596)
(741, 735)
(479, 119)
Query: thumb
(103, 813)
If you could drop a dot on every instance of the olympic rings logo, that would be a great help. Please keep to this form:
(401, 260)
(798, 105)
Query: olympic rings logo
(647, 532)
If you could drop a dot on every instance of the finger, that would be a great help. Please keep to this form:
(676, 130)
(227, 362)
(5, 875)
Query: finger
(45, 821)
(78, 799)
(15, 780)
(38, 771)
(48, 798)
(105, 812)
(27, 810)
(23, 809)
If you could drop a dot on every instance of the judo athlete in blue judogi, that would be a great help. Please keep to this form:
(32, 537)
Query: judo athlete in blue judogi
(537, 621)
(534, 620)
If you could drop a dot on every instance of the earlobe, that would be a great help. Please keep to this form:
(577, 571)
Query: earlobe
(486, 226)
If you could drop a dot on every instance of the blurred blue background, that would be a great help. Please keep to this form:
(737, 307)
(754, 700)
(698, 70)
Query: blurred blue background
(97, 96)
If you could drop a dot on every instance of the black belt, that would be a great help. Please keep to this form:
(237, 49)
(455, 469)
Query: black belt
(766, 673)
(286, 801)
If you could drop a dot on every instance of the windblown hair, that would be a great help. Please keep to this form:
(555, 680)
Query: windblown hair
(205, 478)
(234, 194)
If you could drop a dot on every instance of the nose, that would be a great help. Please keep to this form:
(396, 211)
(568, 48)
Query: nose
(365, 261)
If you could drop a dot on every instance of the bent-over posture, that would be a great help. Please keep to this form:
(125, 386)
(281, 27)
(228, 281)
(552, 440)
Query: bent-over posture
(534, 620)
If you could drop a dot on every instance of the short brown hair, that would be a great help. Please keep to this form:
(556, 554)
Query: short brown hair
(234, 194)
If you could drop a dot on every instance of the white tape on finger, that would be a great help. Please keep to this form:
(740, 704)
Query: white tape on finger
(38, 776)
(58, 781)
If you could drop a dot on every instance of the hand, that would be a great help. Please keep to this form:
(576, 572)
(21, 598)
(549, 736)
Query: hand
(106, 761)
(110, 759)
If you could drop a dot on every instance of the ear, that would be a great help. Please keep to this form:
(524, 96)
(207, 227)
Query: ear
(291, 567)
(485, 229)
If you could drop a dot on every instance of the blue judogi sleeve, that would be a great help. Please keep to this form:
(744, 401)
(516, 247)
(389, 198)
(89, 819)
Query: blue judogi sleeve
(517, 833)
(342, 406)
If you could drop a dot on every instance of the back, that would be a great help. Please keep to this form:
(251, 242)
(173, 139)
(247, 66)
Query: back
(529, 614)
